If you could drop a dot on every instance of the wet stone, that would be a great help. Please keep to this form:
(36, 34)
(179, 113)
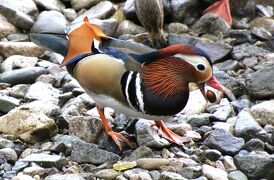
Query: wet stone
(222, 111)
(228, 65)
(261, 33)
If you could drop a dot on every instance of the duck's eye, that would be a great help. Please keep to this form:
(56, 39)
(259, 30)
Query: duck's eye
(200, 67)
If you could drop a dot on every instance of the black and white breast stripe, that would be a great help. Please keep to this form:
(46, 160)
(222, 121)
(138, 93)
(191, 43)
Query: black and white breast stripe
(132, 90)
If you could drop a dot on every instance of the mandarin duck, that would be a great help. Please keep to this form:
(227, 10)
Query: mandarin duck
(132, 78)
(221, 8)
(151, 15)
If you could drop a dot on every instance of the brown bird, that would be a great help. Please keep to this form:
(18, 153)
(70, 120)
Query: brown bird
(151, 15)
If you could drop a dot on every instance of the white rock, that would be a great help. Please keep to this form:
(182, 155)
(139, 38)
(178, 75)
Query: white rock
(263, 112)
(214, 173)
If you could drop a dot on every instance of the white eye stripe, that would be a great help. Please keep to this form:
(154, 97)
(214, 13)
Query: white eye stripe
(195, 61)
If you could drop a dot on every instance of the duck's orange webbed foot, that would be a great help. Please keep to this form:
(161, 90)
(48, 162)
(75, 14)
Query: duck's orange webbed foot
(168, 134)
(114, 135)
(222, 9)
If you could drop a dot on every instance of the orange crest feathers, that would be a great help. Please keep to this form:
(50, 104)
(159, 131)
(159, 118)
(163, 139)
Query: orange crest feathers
(81, 39)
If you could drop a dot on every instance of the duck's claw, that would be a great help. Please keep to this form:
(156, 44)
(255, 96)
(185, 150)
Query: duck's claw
(168, 134)
(222, 9)
(114, 135)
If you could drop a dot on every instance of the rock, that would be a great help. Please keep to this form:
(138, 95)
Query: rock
(102, 10)
(211, 24)
(46, 160)
(263, 112)
(50, 22)
(141, 152)
(6, 28)
(152, 163)
(177, 28)
(109, 26)
(18, 18)
(237, 175)
(216, 51)
(240, 104)
(8, 155)
(107, 174)
(7, 103)
(212, 154)
(80, 102)
(43, 92)
(83, 4)
(246, 126)
(261, 33)
(64, 177)
(89, 129)
(20, 48)
(265, 11)
(128, 27)
(231, 83)
(191, 172)
(254, 145)
(250, 61)
(27, 124)
(148, 136)
(22, 176)
(19, 165)
(247, 50)
(222, 111)
(70, 14)
(18, 37)
(263, 22)
(255, 165)
(194, 120)
(45, 106)
(155, 174)
(137, 174)
(171, 176)
(224, 142)
(26, 6)
(180, 10)
(129, 10)
(259, 84)
(47, 79)
(50, 5)
(23, 62)
(35, 170)
(228, 163)
(228, 65)
(241, 36)
(228, 127)
(83, 152)
(214, 173)
(5, 143)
